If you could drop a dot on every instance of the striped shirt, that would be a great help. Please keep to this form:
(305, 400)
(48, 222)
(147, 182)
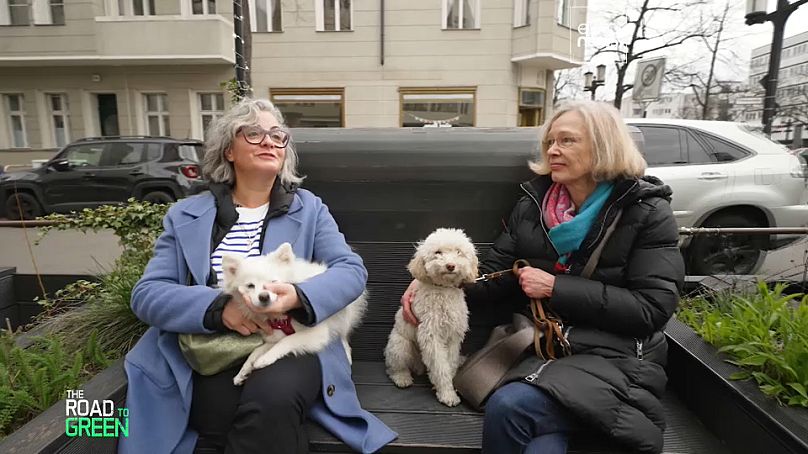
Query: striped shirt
(243, 239)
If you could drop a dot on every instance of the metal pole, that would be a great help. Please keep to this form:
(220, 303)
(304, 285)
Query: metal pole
(778, 18)
(241, 65)
(381, 38)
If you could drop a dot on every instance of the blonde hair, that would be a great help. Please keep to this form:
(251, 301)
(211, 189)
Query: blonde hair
(216, 168)
(614, 154)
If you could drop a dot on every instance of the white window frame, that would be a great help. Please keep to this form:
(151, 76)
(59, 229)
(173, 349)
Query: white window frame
(521, 13)
(461, 14)
(197, 126)
(271, 5)
(163, 114)
(563, 13)
(5, 13)
(15, 113)
(205, 8)
(52, 114)
(114, 8)
(319, 10)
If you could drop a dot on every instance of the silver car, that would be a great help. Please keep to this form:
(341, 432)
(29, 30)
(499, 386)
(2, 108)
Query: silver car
(725, 174)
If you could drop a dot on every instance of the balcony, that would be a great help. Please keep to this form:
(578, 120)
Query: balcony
(204, 39)
(548, 44)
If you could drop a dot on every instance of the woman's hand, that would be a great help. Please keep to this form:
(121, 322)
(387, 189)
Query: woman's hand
(406, 303)
(285, 300)
(536, 283)
(234, 319)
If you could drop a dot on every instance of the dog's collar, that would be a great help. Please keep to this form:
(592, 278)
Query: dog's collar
(283, 324)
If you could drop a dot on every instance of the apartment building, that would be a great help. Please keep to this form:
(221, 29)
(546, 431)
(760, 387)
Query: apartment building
(792, 85)
(70, 69)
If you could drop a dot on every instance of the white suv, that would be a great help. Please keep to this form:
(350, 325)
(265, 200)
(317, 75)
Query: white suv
(724, 175)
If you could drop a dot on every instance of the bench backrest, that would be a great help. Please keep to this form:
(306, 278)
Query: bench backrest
(390, 188)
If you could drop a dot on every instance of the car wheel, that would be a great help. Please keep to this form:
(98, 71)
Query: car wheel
(159, 197)
(710, 255)
(25, 203)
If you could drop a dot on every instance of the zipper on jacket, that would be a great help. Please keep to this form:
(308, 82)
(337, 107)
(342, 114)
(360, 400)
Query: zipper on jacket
(541, 217)
(606, 216)
(639, 348)
(535, 375)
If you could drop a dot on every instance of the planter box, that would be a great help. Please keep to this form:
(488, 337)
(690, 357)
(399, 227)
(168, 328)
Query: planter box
(737, 412)
(19, 292)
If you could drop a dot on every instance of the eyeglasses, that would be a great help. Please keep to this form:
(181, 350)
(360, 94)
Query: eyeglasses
(564, 142)
(255, 134)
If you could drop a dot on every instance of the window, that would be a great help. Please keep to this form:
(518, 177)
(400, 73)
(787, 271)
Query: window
(521, 13)
(206, 7)
(266, 15)
(19, 11)
(437, 107)
(57, 10)
(696, 152)
(122, 154)
(16, 120)
(662, 146)
(461, 14)
(136, 7)
(531, 107)
(211, 107)
(311, 108)
(87, 155)
(59, 114)
(722, 151)
(334, 15)
(563, 13)
(157, 123)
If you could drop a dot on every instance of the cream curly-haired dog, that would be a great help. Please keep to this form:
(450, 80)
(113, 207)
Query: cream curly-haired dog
(442, 262)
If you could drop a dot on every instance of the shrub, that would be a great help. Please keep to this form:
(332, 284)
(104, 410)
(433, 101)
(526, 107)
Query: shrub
(764, 332)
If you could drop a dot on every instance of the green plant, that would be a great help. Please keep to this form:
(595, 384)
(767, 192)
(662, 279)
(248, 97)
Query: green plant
(764, 332)
(103, 307)
(34, 378)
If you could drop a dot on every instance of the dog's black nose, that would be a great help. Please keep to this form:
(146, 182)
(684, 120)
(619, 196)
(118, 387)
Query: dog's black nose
(450, 267)
(263, 297)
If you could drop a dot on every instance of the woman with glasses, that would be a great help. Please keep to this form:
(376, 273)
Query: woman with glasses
(254, 204)
(607, 375)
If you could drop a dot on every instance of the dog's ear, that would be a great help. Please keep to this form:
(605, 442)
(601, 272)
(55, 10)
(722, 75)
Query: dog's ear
(417, 266)
(284, 253)
(473, 270)
(230, 265)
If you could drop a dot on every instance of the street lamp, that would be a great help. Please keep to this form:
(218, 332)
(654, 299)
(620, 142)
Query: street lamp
(756, 14)
(591, 84)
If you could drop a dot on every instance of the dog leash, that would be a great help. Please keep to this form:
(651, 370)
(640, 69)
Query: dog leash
(521, 263)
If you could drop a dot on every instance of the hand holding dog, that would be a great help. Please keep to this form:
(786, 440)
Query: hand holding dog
(536, 283)
(234, 319)
(285, 300)
(406, 303)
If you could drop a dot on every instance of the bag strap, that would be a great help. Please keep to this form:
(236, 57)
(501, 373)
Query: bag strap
(549, 326)
(589, 268)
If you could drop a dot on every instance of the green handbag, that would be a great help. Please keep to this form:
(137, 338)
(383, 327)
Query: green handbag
(209, 354)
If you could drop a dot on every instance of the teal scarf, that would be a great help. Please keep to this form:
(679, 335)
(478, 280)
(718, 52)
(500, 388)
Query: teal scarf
(568, 236)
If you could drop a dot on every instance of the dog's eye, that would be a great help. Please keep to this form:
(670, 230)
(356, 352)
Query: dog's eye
(251, 286)
(438, 252)
(274, 281)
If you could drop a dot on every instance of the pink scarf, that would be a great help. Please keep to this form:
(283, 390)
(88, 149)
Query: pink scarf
(557, 206)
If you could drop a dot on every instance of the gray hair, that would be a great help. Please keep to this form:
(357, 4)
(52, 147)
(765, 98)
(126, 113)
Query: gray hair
(217, 169)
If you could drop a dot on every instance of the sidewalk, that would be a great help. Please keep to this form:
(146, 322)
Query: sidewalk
(59, 252)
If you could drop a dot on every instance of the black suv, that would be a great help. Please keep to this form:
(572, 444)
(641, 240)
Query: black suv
(104, 170)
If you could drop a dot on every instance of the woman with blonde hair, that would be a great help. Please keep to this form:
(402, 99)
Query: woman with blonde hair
(608, 373)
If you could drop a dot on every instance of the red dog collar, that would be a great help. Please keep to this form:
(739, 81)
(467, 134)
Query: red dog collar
(283, 324)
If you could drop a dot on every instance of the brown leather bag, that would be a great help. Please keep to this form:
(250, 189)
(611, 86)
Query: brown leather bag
(484, 371)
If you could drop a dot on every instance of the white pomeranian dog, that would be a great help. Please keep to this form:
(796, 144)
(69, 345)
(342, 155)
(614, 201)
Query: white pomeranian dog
(248, 277)
(443, 261)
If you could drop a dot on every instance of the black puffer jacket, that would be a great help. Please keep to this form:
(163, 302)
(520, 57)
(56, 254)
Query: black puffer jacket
(615, 377)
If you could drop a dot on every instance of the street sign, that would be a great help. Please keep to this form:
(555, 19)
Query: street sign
(648, 79)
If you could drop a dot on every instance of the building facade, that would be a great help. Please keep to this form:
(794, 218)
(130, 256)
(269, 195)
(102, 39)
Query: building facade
(158, 67)
(792, 86)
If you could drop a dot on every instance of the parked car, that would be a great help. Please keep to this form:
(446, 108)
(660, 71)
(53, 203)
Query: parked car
(102, 170)
(725, 174)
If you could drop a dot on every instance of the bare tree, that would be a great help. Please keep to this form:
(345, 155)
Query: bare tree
(645, 39)
(567, 84)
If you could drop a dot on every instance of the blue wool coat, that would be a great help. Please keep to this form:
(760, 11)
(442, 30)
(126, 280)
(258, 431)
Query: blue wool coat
(160, 384)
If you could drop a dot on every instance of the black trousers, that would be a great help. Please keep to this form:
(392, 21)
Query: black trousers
(265, 415)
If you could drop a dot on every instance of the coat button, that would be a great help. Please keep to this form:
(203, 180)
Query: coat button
(330, 390)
